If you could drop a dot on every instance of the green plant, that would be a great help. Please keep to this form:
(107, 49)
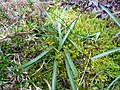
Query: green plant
(111, 15)
(110, 51)
(58, 36)
(5, 62)
(60, 48)
(59, 51)
(113, 82)
(105, 53)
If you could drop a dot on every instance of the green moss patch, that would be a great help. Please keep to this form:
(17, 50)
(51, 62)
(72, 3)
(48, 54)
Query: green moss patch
(91, 36)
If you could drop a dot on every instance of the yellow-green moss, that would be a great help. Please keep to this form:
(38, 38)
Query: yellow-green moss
(86, 25)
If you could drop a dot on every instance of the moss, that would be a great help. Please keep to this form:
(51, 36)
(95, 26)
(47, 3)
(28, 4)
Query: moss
(85, 26)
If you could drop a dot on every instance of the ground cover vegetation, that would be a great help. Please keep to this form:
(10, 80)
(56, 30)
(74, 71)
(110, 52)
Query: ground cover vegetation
(45, 47)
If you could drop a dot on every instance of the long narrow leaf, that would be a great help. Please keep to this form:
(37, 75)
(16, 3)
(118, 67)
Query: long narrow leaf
(105, 53)
(54, 78)
(111, 15)
(60, 22)
(91, 36)
(66, 35)
(69, 75)
(59, 26)
(50, 18)
(75, 45)
(72, 66)
(35, 59)
(113, 82)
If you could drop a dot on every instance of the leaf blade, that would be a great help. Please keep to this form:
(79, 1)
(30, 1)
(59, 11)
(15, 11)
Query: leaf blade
(111, 15)
(54, 78)
(35, 59)
(66, 35)
(113, 82)
(50, 18)
(75, 45)
(105, 53)
(72, 66)
(60, 22)
(59, 26)
(69, 75)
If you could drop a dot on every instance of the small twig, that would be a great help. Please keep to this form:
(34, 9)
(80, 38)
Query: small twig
(83, 74)
(47, 83)
(79, 84)
(39, 68)
(116, 12)
(37, 88)
(116, 37)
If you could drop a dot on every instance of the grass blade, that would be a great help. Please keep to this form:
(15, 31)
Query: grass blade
(69, 75)
(75, 45)
(94, 36)
(50, 18)
(59, 26)
(35, 59)
(54, 78)
(66, 35)
(113, 82)
(105, 53)
(72, 66)
(60, 22)
(111, 15)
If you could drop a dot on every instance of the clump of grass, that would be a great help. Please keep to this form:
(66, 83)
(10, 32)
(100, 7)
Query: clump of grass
(65, 44)
(61, 42)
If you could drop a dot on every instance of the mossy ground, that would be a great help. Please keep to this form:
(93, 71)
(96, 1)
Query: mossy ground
(24, 47)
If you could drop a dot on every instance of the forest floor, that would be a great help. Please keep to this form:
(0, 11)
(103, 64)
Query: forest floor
(62, 45)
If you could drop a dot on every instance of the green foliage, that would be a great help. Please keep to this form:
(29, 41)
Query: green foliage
(111, 15)
(35, 59)
(113, 82)
(54, 79)
(69, 74)
(71, 64)
(5, 62)
(105, 53)
(75, 41)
